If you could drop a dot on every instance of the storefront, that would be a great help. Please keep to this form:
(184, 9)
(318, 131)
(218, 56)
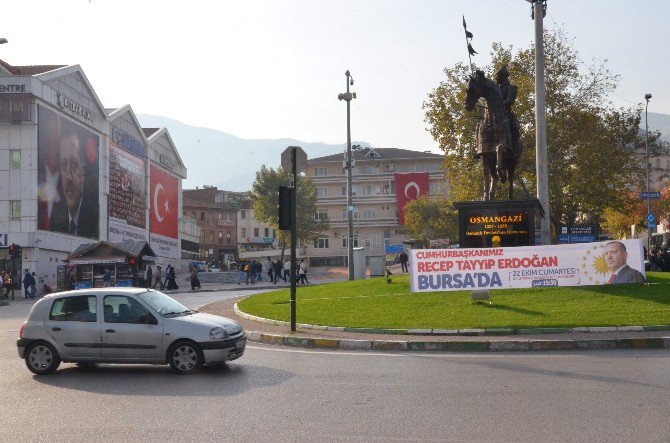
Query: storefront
(86, 266)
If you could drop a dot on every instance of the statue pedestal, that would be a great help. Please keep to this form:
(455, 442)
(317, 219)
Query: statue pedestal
(493, 224)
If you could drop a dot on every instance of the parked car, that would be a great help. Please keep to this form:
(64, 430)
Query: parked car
(125, 325)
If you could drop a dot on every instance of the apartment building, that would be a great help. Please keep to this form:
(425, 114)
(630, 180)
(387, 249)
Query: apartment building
(255, 239)
(215, 212)
(376, 175)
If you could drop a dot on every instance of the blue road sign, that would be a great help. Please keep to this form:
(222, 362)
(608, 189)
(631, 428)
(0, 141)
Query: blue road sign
(650, 195)
(651, 219)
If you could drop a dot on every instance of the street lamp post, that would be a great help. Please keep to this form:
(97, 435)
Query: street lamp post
(348, 96)
(647, 97)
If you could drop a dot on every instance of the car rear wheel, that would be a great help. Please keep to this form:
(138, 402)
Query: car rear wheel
(185, 357)
(42, 358)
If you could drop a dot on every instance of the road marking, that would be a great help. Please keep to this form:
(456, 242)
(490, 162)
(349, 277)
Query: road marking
(405, 354)
(10, 330)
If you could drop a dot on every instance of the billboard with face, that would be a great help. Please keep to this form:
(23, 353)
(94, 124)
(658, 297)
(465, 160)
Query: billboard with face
(68, 197)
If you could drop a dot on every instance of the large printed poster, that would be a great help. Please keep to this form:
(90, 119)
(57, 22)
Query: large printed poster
(164, 204)
(67, 178)
(127, 196)
(612, 262)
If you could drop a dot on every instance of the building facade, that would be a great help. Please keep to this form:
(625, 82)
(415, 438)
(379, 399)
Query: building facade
(377, 220)
(215, 212)
(255, 239)
(73, 172)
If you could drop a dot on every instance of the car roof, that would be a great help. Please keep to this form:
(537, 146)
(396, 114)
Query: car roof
(96, 291)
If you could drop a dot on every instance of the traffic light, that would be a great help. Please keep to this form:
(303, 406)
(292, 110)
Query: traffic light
(284, 207)
(14, 251)
(131, 260)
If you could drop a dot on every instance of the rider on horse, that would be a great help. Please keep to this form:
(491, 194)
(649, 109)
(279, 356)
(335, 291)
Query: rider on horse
(509, 92)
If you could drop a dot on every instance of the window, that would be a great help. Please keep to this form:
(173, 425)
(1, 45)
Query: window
(193, 215)
(229, 240)
(243, 214)
(368, 213)
(321, 243)
(220, 238)
(255, 232)
(343, 214)
(345, 241)
(344, 190)
(211, 237)
(211, 219)
(322, 192)
(202, 216)
(266, 232)
(321, 214)
(320, 171)
(122, 309)
(15, 159)
(244, 232)
(80, 308)
(16, 209)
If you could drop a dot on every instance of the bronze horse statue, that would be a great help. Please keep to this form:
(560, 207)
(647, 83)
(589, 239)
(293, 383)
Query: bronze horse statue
(497, 146)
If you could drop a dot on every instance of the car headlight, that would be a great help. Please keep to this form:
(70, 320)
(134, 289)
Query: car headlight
(218, 334)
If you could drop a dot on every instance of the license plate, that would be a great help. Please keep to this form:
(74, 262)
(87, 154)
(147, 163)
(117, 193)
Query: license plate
(240, 344)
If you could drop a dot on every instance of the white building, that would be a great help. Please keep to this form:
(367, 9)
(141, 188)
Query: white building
(73, 172)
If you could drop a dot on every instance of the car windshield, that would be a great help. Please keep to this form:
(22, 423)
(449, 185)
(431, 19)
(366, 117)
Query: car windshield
(163, 304)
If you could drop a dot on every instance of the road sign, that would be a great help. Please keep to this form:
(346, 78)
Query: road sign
(650, 195)
(651, 219)
(301, 159)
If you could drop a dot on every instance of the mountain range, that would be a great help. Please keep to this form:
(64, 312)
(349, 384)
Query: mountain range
(217, 158)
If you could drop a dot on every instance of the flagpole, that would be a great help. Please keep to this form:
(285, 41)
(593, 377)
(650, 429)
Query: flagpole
(472, 70)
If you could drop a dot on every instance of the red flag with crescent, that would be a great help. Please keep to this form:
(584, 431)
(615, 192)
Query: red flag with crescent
(409, 186)
(164, 203)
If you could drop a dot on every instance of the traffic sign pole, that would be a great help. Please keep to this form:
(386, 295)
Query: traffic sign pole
(294, 231)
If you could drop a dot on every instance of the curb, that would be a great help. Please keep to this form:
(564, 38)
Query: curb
(459, 346)
(455, 332)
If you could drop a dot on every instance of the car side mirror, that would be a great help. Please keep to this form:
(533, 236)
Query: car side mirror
(148, 320)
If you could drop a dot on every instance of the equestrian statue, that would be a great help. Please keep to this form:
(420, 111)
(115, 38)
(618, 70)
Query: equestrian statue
(498, 136)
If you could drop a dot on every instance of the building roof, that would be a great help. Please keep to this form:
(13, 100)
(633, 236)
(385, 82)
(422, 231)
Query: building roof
(381, 153)
(131, 247)
(148, 132)
(29, 69)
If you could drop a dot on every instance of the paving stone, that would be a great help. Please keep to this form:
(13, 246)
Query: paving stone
(389, 345)
(509, 346)
(355, 344)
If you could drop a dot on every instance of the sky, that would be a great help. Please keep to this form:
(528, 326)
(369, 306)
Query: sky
(274, 69)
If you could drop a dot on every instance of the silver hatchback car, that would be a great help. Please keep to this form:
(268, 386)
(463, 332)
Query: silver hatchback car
(125, 325)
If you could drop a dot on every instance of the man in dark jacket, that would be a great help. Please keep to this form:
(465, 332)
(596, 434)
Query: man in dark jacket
(615, 256)
(26, 284)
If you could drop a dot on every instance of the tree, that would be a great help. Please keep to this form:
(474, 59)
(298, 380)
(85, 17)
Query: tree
(427, 219)
(593, 150)
(264, 192)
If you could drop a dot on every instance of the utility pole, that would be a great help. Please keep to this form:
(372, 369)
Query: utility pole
(647, 97)
(539, 9)
(348, 96)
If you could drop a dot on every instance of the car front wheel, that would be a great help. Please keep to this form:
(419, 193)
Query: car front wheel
(185, 357)
(42, 358)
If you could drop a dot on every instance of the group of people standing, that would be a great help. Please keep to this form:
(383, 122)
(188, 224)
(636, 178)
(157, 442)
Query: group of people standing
(251, 271)
(660, 258)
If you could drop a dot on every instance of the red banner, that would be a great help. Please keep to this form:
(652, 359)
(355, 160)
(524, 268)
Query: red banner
(164, 203)
(409, 186)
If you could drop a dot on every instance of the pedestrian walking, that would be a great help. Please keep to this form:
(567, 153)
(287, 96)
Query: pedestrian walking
(150, 277)
(107, 278)
(33, 285)
(302, 271)
(243, 272)
(26, 284)
(278, 268)
(269, 268)
(287, 271)
(403, 261)
(159, 278)
(195, 281)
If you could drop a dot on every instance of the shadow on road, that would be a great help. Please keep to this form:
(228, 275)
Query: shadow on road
(224, 380)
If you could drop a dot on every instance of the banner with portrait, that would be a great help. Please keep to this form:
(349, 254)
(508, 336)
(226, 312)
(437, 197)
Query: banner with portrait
(581, 264)
(67, 177)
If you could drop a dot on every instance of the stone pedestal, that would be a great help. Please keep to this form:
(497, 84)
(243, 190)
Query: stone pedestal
(493, 224)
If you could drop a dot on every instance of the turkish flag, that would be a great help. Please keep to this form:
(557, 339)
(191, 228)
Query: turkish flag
(409, 186)
(164, 203)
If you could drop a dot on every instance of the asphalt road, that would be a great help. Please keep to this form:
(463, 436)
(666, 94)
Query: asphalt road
(277, 394)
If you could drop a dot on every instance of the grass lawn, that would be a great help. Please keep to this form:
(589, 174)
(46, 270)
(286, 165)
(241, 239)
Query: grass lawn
(375, 304)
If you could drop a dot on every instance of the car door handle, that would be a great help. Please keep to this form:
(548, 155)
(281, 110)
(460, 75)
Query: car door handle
(110, 330)
(56, 329)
